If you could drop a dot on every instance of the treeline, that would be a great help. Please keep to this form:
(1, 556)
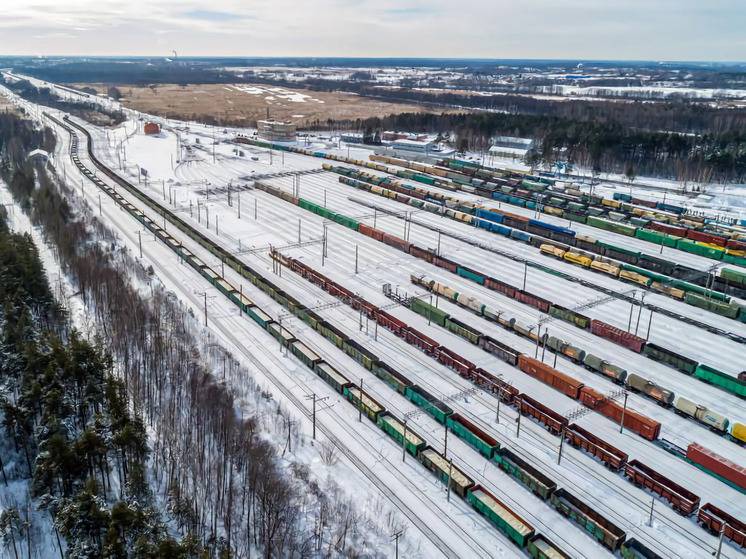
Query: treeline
(228, 489)
(87, 110)
(66, 419)
(609, 147)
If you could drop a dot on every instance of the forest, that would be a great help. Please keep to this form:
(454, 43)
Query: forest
(130, 444)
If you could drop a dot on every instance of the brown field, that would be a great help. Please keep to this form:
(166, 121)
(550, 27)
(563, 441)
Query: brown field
(243, 104)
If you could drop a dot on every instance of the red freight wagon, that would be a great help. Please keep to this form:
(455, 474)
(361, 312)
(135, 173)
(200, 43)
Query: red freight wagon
(610, 455)
(553, 421)
(736, 245)
(421, 253)
(646, 203)
(670, 229)
(548, 375)
(717, 464)
(494, 384)
(640, 424)
(371, 232)
(705, 237)
(390, 322)
(500, 287)
(395, 242)
(420, 340)
(445, 263)
(617, 335)
(338, 291)
(682, 500)
(533, 300)
(714, 519)
(358, 303)
(454, 361)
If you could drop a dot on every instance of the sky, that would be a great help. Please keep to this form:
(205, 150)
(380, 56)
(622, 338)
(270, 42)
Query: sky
(570, 29)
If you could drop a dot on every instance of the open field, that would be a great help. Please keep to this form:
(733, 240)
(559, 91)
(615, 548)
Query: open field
(243, 104)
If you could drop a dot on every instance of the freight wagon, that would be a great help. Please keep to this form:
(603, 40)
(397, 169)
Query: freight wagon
(445, 471)
(682, 500)
(540, 547)
(518, 468)
(716, 520)
(499, 514)
(396, 430)
(727, 471)
(612, 457)
(602, 529)
(635, 549)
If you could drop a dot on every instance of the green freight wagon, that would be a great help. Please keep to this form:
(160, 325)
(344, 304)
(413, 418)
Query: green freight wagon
(734, 277)
(259, 316)
(723, 380)
(733, 259)
(445, 470)
(463, 330)
(691, 246)
(497, 512)
(332, 377)
(361, 399)
(280, 333)
(359, 354)
(524, 472)
(395, 429)
(472, 435)
(468, 274)
(657, 237)
(428, 311)
(725, 309)
(611, 226)
(579, 320)
(540, 547)
(331, 334)
(393, 378)
(658, 353)
(304, 353)
(591, 521)
(429, 403)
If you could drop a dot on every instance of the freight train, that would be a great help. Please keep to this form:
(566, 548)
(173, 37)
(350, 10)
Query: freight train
(635, 343)
(664, 397)
(681, 282)
(505, 519)
(682, 500)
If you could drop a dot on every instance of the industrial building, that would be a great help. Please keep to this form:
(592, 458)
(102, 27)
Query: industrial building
(276, 130)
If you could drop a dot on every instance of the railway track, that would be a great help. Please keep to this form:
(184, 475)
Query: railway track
(540, 436)
(238, 344)
(407, 510)
(569, 277)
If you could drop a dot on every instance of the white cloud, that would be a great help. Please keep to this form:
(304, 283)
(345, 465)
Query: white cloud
(657, 29)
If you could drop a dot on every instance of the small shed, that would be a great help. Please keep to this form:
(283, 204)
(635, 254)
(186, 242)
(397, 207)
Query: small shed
(151, 128)
(38, 156)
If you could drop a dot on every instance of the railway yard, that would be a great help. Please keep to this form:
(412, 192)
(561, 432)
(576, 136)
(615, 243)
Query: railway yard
(520, 368)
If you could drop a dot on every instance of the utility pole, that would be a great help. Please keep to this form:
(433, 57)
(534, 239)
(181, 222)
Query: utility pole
(404, 443)
(205, 309)
(255, 211)
(562, 440)
(445, 441)
(360, 407)
(239, 204)
(624, 410)
(299, 220)
(525, 273)
(139, 241)
(652, 506)
(450, 472)
(437, 252)
(650, 322)
(518, 420)
(356, 249)
(313, 414)
(99, 206)
(720, 541)
(396, 537)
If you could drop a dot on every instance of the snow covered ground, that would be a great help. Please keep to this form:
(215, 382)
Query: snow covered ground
(187, 169)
